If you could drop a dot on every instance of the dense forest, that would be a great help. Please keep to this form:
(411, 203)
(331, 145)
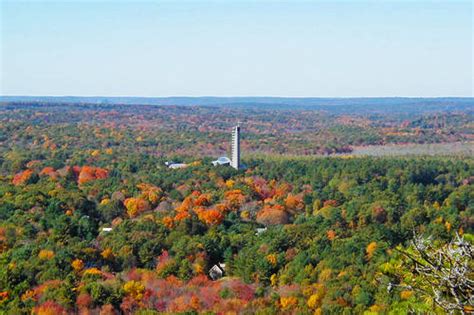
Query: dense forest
(92, 221)
(204, 130)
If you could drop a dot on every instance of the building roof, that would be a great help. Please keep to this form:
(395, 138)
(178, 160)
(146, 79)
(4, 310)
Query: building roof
(223, 160)
(260, 230)
(177, 165)
(216, 272)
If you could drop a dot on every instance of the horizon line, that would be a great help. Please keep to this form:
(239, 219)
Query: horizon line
(233, 96)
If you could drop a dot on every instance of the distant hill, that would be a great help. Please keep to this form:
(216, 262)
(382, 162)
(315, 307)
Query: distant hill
(370, 104)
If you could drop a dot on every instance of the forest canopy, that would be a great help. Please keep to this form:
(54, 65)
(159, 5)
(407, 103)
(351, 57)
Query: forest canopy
(91, 218)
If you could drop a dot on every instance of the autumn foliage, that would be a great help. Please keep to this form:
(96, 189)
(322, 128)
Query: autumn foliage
(49, 171)
(234, 198)
(49, 308)
(135, 206)
(77, 264)
(45, 254)
(89, 173)
(93, 222)
(211, 216)
(22, 177)
(173, 295)
(331, 234)
(150, 193)
(294, 203)
(272, 214)
(371, 249)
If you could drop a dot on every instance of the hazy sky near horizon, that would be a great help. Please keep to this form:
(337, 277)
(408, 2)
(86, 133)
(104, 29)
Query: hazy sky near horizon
(236, 48)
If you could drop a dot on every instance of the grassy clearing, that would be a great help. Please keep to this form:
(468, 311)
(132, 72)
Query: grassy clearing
(461, 149)
(456, 148)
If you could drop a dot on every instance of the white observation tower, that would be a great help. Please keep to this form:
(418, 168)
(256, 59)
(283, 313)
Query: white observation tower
(235, 161)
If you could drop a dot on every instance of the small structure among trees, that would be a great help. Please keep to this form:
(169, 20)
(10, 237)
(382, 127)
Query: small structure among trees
(217, 271)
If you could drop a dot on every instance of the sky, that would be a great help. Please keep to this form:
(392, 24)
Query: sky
(237, 48)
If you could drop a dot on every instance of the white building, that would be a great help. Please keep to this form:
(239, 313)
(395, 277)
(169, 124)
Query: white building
(260, 230)
(174, 165)
(177, 165)
(223, 160)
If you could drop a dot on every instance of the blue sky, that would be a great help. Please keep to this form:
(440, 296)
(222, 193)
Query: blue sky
(237, 48)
